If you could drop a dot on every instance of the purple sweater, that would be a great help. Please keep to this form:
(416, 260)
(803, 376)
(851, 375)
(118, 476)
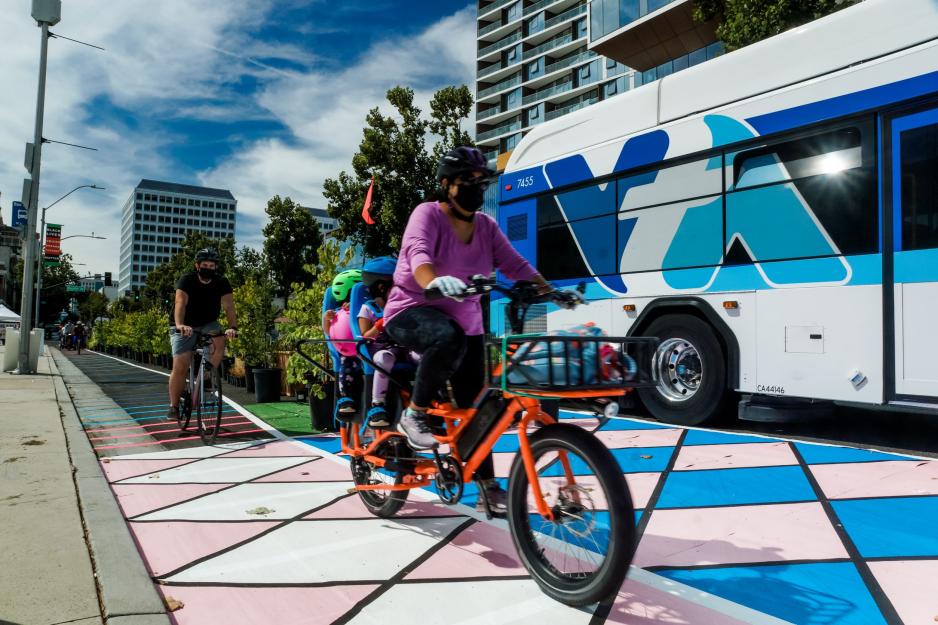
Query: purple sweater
(430, 238)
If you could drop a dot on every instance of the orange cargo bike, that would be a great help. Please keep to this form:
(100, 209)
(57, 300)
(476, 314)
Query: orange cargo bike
(569, 508)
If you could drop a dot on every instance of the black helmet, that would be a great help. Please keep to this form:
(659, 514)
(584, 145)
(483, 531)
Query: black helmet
(462, 160)
(206, 254)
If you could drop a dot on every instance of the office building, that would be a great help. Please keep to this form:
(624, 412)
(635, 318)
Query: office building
(321, 216)
(156, 218)
(541, 59)
(10, 250)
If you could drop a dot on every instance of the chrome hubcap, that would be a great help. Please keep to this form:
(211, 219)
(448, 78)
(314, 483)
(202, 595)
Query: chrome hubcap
(679, 369)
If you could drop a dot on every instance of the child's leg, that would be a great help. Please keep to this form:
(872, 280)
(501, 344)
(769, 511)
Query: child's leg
(348, 370)
(384, 359)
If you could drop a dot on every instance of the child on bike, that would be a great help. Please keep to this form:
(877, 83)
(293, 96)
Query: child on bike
(377, 275)
(336, 326)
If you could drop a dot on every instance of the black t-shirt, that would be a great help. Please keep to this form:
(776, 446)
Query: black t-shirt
(204, 305)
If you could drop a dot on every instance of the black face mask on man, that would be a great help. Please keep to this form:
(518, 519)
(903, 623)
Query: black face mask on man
(206, 274)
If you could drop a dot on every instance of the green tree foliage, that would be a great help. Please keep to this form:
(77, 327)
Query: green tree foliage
(141, 330)
(254, 307)
(742, 22)
(305, 310)
(394, 150)
(291, 239)
(92, 305)
(55, 280)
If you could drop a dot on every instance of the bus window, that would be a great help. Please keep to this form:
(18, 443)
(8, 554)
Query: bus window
(559, 243)
(919, 188)
(812, 196)
(671, 184)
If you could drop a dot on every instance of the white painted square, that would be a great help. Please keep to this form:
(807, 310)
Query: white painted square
(218, 471)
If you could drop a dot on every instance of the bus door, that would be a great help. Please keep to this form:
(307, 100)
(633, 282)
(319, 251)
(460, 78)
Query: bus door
(911, 253)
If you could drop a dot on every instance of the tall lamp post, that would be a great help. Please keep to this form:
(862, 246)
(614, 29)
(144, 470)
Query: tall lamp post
(42, 240)
(46, 13)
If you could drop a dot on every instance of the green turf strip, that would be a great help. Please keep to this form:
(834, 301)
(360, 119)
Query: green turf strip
(289, 417)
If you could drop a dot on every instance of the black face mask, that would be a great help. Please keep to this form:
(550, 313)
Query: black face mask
(470, 197)
(206, 274)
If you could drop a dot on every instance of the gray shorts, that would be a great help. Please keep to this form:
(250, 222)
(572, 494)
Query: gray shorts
(185, 344)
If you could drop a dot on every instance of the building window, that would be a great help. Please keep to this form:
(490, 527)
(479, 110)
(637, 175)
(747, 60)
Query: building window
(513, 12)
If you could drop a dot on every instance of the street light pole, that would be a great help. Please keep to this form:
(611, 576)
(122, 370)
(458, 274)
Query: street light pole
(46, 13)
(42, 241)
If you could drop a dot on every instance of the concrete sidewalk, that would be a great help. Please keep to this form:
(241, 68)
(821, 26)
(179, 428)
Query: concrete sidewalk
(51, 569)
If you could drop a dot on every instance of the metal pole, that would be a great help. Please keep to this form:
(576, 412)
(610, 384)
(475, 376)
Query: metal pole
(29, 262)
(41, 260)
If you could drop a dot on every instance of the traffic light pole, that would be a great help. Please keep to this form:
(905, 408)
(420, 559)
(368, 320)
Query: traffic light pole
(29, 238)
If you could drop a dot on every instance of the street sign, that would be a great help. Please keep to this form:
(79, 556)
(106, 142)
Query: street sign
(20, 217)
(53, 247)
(75, 288)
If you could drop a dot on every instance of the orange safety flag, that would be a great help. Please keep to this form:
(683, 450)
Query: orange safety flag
(366, 210)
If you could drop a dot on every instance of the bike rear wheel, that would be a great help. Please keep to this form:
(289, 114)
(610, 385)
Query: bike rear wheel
(583, 555)
(384, 503)
(209, 409)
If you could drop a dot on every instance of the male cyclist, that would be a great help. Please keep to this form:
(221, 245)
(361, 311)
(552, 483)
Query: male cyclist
(200, 296)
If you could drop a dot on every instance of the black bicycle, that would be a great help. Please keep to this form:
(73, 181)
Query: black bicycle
(203, 383)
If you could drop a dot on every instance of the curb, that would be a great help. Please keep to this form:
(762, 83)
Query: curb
(126, 591)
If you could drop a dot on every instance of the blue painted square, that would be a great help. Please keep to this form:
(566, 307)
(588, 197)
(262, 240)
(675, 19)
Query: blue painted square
(802, 594)
(823, 454)
(707, 437)
(720, 487)
(634, 424)
(889, 527)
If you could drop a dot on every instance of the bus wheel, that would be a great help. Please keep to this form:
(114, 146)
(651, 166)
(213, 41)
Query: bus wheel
(691, 371)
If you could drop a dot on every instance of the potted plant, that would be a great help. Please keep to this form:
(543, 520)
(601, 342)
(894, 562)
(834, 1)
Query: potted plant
(254, 307)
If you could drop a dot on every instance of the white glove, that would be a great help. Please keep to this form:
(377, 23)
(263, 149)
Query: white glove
(568, 298)
(449, 286)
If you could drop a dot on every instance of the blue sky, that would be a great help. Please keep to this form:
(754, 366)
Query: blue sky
(258, 96)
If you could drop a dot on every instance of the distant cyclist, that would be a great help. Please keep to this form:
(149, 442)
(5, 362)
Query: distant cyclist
(200, 296)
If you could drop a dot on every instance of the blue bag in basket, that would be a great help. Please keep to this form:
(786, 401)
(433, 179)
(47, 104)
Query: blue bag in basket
(532, 365)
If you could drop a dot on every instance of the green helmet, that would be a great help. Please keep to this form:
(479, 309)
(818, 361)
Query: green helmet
(342, 284)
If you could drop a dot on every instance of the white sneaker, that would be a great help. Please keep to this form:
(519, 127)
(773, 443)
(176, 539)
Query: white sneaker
(413, 425)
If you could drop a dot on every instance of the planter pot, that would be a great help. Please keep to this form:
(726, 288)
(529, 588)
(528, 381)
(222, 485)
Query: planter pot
(267, 385)
(249, 378)
(321, 410)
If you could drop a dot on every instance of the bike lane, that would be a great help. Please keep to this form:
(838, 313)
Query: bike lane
(735, 529)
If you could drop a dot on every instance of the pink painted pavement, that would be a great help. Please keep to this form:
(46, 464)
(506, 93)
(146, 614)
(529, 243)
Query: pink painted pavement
(169, 545)
(137, 499)
(738, 534)
(481, 550)
(639, 438)
(891, 478)
(911, 587)
(736, 455)
(117, 470)
(230, 605)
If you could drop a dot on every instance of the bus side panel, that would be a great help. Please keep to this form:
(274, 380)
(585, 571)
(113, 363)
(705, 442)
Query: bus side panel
(821, 342)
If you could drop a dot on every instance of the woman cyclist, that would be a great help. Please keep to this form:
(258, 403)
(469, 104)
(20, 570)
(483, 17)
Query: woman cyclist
(447, 241)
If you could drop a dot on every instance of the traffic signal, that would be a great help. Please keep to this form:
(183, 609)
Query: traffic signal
(107, 278)
(136, 296)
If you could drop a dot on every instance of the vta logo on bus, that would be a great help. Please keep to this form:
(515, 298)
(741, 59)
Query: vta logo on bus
(770, 223)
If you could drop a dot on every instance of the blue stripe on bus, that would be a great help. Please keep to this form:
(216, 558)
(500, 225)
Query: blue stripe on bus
(916, 266)
(848, 104)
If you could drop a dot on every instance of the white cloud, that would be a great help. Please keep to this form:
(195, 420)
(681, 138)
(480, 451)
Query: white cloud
(179, 59)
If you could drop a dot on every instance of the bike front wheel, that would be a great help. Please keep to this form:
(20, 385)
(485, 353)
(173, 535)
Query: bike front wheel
(210, 408)
(582, 555)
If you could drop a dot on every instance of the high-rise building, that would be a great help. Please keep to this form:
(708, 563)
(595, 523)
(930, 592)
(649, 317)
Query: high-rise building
(321, 216)
(541, 59)
(156, 218)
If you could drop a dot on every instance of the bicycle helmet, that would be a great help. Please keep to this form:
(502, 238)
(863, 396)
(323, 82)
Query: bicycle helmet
(378, 269)
(462, 160)
(206, 254)
(342, 284)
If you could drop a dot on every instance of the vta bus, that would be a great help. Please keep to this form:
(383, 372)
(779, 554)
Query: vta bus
(770, 215)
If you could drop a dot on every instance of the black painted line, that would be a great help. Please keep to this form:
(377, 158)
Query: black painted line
(659, 487)
(733, 565)
(404, 572)
(879, 596)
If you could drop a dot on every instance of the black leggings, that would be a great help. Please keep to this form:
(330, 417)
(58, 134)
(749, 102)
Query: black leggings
(446, 353)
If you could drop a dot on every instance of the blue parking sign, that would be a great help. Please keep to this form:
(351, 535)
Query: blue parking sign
(20, 218)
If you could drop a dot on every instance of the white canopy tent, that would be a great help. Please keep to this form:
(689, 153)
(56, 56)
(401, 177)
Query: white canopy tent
(7, 316)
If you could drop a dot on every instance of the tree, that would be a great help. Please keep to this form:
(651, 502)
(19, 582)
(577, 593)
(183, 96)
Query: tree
(92, 306)
(254, 307)
(394, 151)
(291, 241)
(742, 22)
(55, 280)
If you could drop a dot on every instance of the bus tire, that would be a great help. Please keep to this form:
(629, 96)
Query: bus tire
(691, 371)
